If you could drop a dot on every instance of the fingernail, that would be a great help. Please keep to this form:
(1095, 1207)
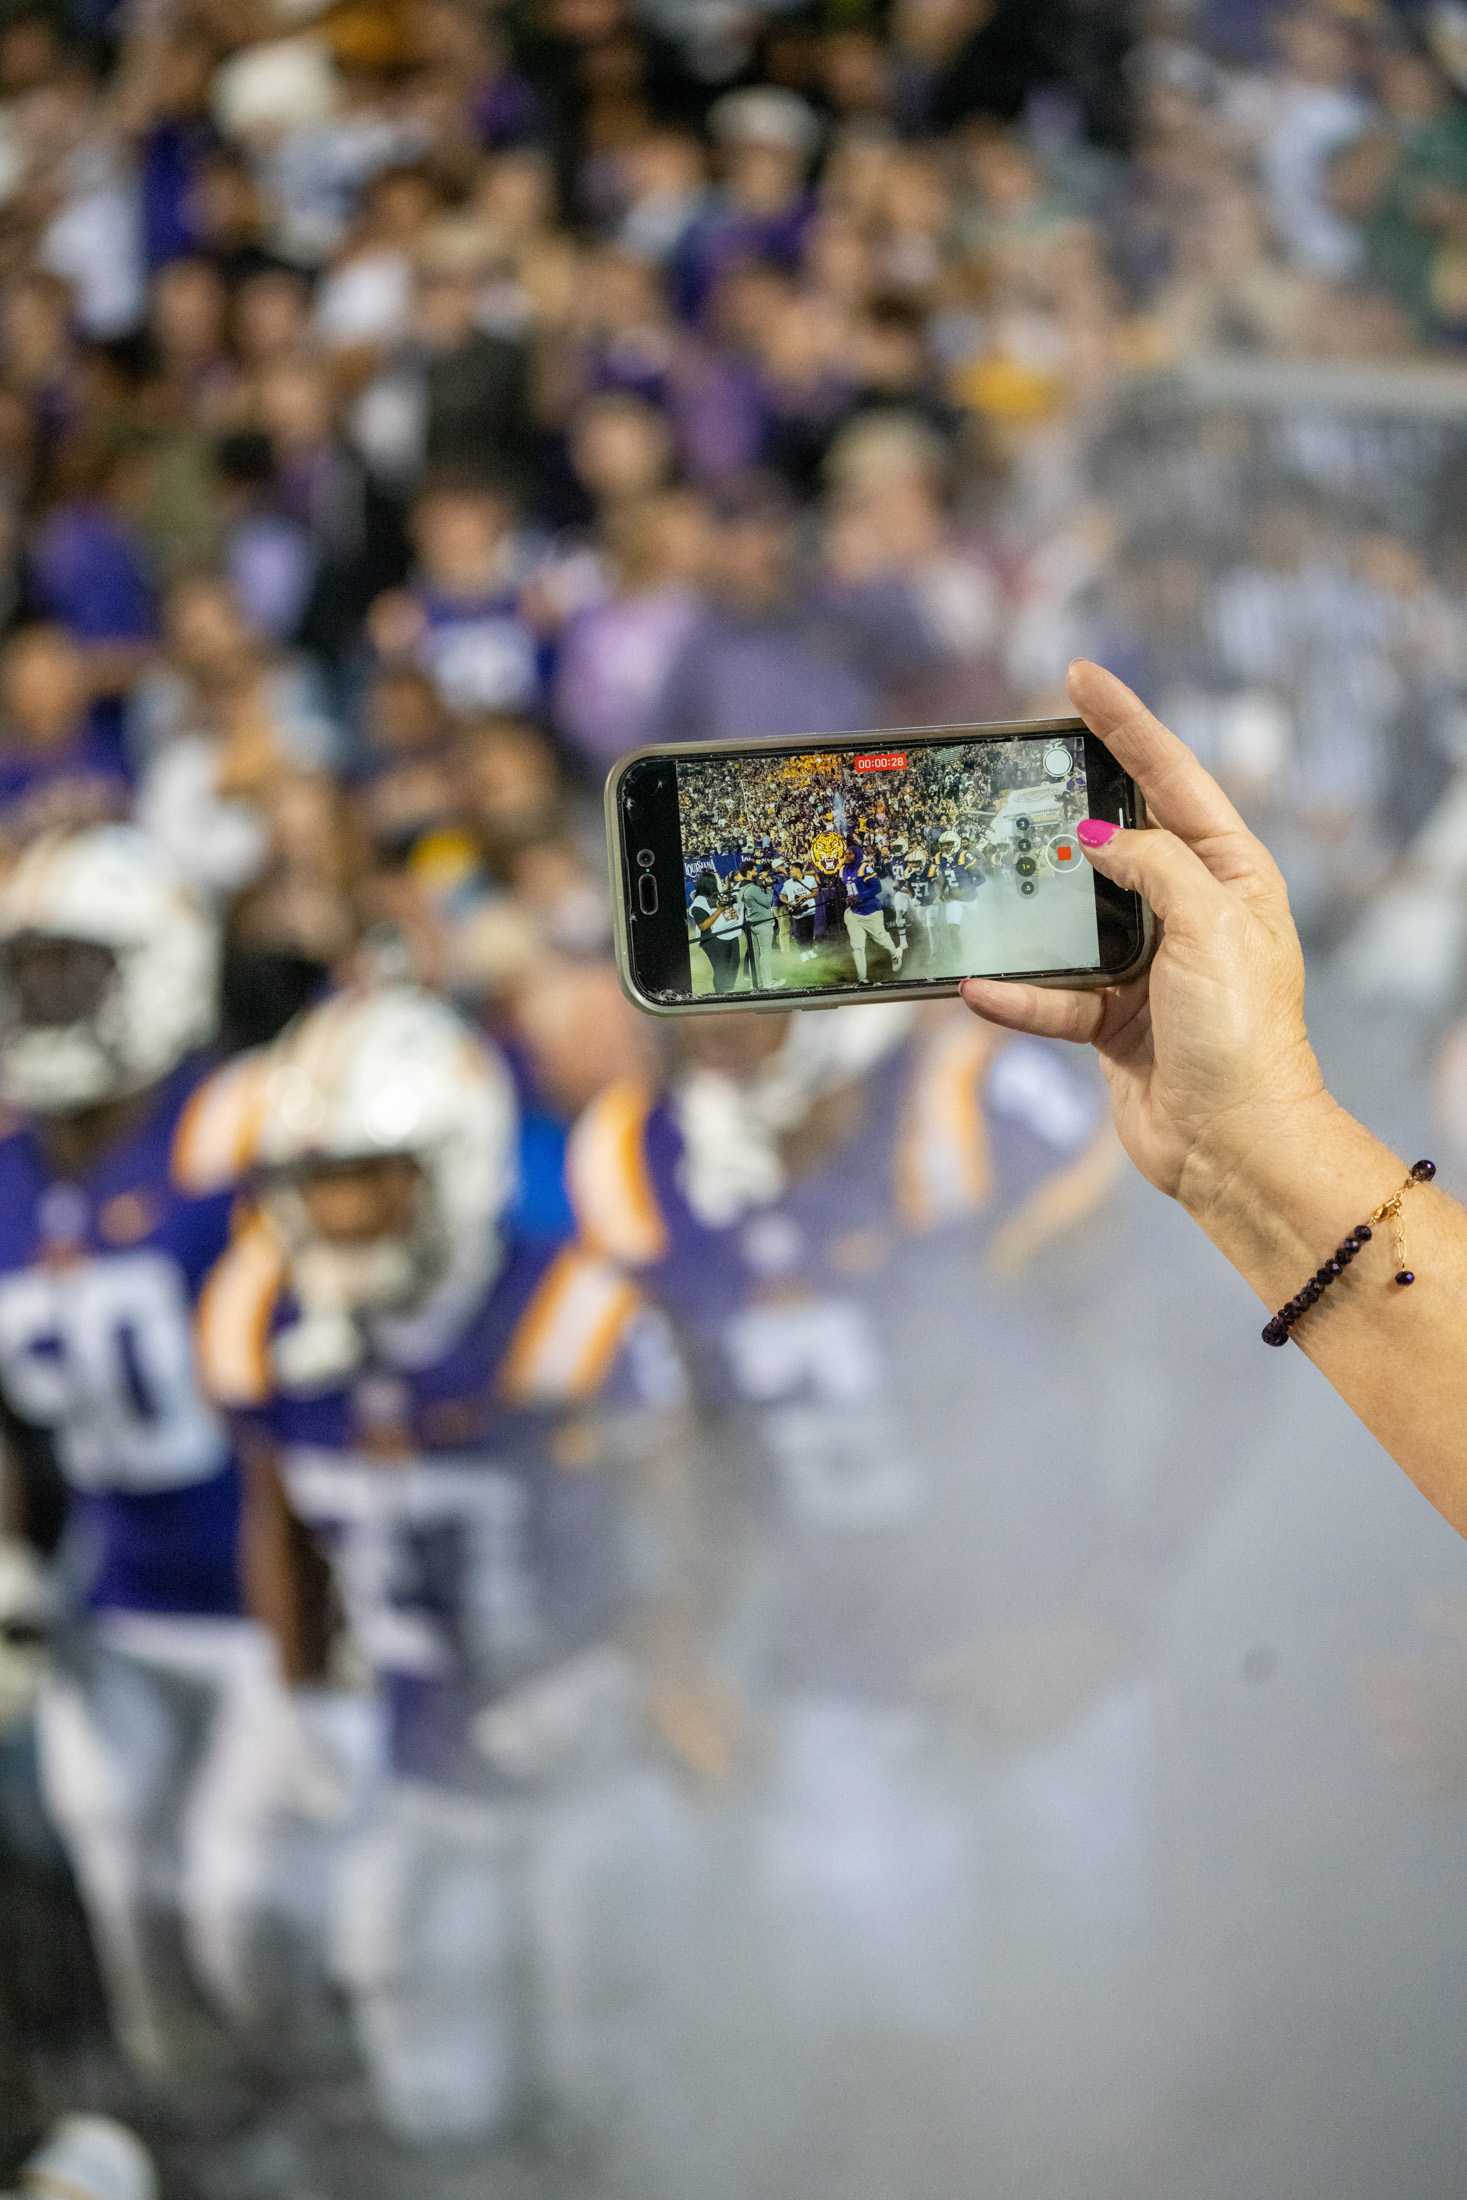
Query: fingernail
(1094, 832)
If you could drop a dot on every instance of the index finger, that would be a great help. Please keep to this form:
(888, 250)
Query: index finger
(1179, 793)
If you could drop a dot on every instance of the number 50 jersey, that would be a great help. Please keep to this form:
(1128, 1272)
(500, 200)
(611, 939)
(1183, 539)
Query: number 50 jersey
(99, 1276)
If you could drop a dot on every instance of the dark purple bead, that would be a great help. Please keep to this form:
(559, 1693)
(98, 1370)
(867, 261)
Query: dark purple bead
(1363, 1231)
(1423, 1171)
(1405, 1276)
(1332, 1268)
(1311, 1294)
(1275, 1333)
(1351, 1245)
(1323, 1278)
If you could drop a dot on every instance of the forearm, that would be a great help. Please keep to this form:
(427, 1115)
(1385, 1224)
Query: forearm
(277, 1600)
(1276, 1195)
(286, 1585)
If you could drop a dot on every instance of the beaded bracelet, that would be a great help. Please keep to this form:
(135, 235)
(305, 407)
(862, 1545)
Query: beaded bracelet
(1277, 1330)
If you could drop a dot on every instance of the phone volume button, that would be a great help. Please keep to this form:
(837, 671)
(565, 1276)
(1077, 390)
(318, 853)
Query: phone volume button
(647, 893)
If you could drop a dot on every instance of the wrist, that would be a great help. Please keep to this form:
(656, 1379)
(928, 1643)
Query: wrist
(1278, 1184)
(1246, 1151)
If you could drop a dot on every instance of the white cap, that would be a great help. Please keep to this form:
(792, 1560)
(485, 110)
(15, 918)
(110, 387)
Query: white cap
(765, 115)
(268, 90)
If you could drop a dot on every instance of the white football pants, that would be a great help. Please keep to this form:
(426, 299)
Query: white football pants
(157, 1766)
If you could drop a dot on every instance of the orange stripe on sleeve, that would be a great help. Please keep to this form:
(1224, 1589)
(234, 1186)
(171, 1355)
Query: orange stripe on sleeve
(911, 1192)
(235, 1310)
(517, 1377)
(251, 1115)
(610, 1181)
(967, 1074)
(943, 1165)
(218, 1130)
(604, 1341)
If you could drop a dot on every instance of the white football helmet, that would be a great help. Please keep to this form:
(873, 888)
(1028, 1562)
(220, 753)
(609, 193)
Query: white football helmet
(126, 1013)
(383, 1071)
(732, 1125)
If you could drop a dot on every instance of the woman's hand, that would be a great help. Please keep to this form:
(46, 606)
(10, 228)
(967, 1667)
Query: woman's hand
(1206, 1051)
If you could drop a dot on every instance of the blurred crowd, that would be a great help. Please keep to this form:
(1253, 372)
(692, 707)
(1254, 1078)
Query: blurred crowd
(405, 410)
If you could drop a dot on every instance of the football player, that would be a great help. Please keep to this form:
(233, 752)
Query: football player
(809, 1199)
(415, 1392)
(899, 898)
(116, 1189)
(865, 916)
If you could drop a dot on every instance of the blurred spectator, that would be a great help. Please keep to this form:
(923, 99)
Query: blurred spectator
(513, 790)
(770, 656)
(164, 97)
(87, 566)
(192, 373)
(293, 929)
(1296, 117)
(766, 140)
(462, 612)
(970, 57)
(407, 787)
(225, 216)
(475, 381)
(214, 728)
(663, 184)
(268, 555)
(890, 516)
(616, 655)
(327, 489)
(365, 301)
(55, 767)
(271, 316)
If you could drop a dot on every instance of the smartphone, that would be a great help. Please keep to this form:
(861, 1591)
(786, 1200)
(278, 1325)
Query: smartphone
(803, 871)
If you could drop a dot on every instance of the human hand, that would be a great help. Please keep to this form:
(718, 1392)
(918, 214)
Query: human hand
(1206, 1053)
(313, 1748)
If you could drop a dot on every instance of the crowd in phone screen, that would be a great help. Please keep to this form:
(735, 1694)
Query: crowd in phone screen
(835, 870)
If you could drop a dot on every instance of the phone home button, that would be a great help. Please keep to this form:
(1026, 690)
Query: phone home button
(647, 893)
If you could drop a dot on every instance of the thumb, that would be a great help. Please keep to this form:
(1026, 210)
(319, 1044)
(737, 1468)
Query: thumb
(1162, 869)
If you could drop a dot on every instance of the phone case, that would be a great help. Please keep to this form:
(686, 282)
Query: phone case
(927, 989)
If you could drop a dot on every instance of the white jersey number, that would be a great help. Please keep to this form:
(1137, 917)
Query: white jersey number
(435, 1563)
(102, 1356)
(817, 1366)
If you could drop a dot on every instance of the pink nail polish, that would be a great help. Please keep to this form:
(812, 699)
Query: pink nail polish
(1094, 832)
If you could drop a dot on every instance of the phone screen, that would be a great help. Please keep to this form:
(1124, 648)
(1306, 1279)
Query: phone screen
(847, 870)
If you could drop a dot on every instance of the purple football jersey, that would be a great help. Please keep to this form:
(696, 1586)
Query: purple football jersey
(99, 1280)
